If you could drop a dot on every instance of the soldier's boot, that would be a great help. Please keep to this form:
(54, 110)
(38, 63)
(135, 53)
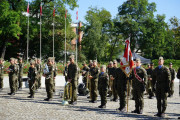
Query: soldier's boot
(135, 111)
(103, 105)
(31, 96)
(140, 111)
(159, 112)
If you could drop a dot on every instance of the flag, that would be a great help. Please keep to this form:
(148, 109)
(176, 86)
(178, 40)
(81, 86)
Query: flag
(41, 9)
(65, 13)
(77, 15)
(54, 12)
(127, 60)
(28, 8)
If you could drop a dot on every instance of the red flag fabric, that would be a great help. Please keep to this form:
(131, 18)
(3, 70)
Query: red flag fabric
(127, 60)
(54, 12)
(41, 9)
(28, 8)
(77, 15)
(65, 13)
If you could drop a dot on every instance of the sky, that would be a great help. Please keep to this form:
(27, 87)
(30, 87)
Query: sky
(170, 8)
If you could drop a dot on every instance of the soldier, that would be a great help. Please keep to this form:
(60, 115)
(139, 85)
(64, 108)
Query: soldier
(114, 92)
(66, 70)
(20, 74)
(12, 76)
(84, 72)
(1, 73)
(94, 72)
(173, 72)
(139, 76)
(55, 74)
(17, 72)
(72, 78)
(90, 64)
(161, 78)
(39, 69)
(103, 86)
(121, 88)
(32, 76)
(89, 82)
(110, 73)
(49, 76)
(149, 82)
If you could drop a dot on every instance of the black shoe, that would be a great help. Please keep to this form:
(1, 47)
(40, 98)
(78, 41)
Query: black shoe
(115, 100)
(74, 103)
(102, 106)
(135, 111)
(169, 95)
(158, 115)
(91, 101)
(88, 96)
(31, 96)
(70, 102)
(48, 99)
(11, 93)
(123, 109)
(95, 101)
(140, 112)
(162, 115)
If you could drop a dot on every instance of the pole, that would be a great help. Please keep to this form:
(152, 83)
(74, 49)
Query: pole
(127, 100)
(53, 37)
(28, 39)
(40, 33)
(77, 42)
(65, 43)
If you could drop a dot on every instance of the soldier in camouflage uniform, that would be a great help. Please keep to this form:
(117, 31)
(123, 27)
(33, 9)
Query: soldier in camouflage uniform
(20, 73)
(173, 72)
(72, 78)
(12, 76)
(66, 70)
(110, 73)
(49, 76)
(139, 76)
(161, 78)
(39, 69)
(89, 82)
(121, 88)
(1, 73)
(17, 72)
(103, 86)
(84, 72)
(149, 82)
(32, 75)
(94, 72)
(55, 74)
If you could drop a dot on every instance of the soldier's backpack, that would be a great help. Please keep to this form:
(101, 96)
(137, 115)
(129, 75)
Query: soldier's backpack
(82, 90)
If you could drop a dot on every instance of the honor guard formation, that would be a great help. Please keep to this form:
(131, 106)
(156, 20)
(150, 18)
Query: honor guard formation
(107, 81)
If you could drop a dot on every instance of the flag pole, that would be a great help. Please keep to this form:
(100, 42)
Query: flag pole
(53, 35)
(40, 28)
(77, 34)
(28, 33)
(65, 38)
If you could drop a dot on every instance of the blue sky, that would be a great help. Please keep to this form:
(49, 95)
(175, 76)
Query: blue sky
(168, 7)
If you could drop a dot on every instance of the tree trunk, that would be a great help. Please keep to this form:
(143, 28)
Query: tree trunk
(3, 49)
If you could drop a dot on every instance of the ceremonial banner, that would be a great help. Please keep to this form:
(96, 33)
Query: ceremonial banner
(28, 8)
(127, 60)
(77, 15)
(41, 10)
(54, 12)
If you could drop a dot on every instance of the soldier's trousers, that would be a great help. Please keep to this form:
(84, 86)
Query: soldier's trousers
(103, 94)
(94, 87)
(1, 82)
(110, 92)
(74, 91)
(115, 94)
(171, 90)
(138, 97)
(20, 81)
(12, 83)
(32, 87)
(54, 84)
(161, 97)
(149, 88)
(16, 83)
(122, 96)
(49, 87)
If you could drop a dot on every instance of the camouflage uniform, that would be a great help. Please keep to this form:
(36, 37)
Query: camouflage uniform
(103, 87)
(114, 92)
(161, 78)
(171, 90)
(1, 74)
(54, 79)
(149, 83)
(85, 71)
(139, 88)
(20, 75)
(39, 69)
(110, 73)
(121, 87)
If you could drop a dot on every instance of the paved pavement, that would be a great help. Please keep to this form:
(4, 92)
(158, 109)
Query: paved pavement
(19, 107)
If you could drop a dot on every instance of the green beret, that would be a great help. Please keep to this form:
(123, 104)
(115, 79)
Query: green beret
(161, 58)
(71, 57)
(32, 62)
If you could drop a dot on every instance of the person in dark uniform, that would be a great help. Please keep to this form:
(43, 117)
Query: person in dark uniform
(149, 86)
(139, 76)
(84, 72)
(110, 73)
(1, 73)
(12, 76)
(103, 86)
(161, 78)
(173, 72)
(94, 72)
(72, 78)
(39, 69)
(66, 70)
(121, 88)
(20, 73)
(32, 76)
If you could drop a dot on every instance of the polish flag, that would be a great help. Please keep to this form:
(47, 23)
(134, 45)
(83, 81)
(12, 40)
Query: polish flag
(54, 12)
(41, 9)
(65, 13)
(28, 8)
(77, 15)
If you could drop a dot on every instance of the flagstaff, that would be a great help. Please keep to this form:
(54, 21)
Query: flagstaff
(65, 38)
(77, 34)
(53, 30)
(40, 28)
(28, 32)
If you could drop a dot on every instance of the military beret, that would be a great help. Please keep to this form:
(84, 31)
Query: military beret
(90, 61)
(71, 57)
(114, 61)
(170, 63)
(32, 62)
(94, 60)
(161, 58)
(103, 66)
(11, 58)
(138, 59)
(38, 59)
(1, 59)
(20, 58)
(84, 63)
(152, 64)
(110, 62)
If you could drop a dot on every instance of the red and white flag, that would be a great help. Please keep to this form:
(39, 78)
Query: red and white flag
(28, 8)
(65, 13)
(127, 60)
(54, 12)
(41, 9)
(77, 14)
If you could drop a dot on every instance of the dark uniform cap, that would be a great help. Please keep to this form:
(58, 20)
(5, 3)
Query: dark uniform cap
(71, 57)
(170, 63)
(138, 59)
(161, 58)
